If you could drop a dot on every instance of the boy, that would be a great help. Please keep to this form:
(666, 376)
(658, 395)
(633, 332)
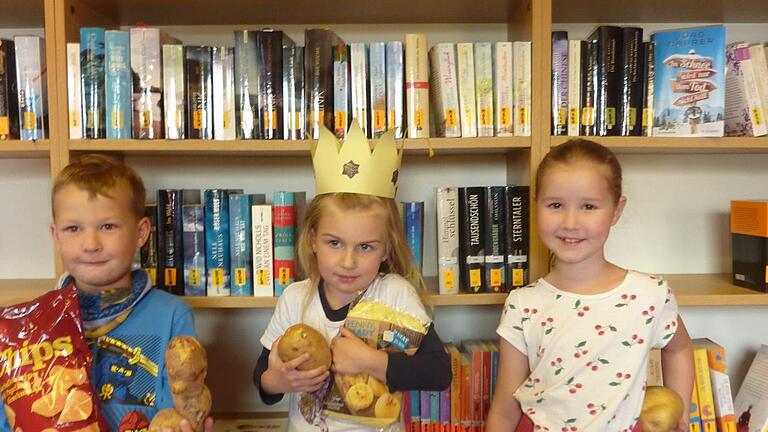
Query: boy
(98, 222)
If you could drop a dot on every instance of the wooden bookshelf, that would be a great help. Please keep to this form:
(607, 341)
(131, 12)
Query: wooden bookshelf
(21, 14)
(13, 291)
(657, 145)
(660, 11)
(13, 149)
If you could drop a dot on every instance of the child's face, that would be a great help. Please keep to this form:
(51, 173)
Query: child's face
(350, 245)
(97, 237)
(575, 211)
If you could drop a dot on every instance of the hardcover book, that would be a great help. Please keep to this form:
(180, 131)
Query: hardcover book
(609, 54)
(417, 85)
(689, 84)
(31, 74)
(284, 222)
(118, 84)
(240, 257)
(198, 71)
(92, 81)
(294, 104)
(649, 73)
(448, 240)
(318, 79)
(631, 82)
(484, 88)
(559, 82)
(503, 90)
(217, 247)
(74, 101)
(444, 90)
(517, 235)
(495, 209)
(193, 240)
(9, 101)
(247, 77)
(270, 61)
(170, 271)
(174, 87)
(472, 238)
(263, 260)
(575, 70)
(588, 89)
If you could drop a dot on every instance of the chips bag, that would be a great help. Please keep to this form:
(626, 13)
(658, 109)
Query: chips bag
(361, 398)
(44, 366)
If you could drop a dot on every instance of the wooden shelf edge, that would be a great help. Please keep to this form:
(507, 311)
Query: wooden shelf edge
(22, 149)
(671, 144)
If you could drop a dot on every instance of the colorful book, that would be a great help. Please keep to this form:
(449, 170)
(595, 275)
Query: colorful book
(721, 384)
(503, 89)
(92, 81)
(522, 80)
(484, 88)
(31, 75)
(455, 388)
(694, 421)
(74, 96)
(284, 222)
(240, 250)
(760, 66)
(414, 398)
(318, 79)
(223, 81)
(294, 104)
(495, 233)
(465, 75)
(689, 82)
(448, 240)
(358, 75)
(413, 213)
(246, 85)
(217, 248)
(9, 101)
(395, 88)
(377, 58)
(263, 261)
(174, 98)
(193, 241)
(146, 67)
(198, 72)
(148, 251)
(471, 239)
(744, 114)
(341, 90)
(517, 236)
(170, 251)
(703, 385)
(751, 402)
(559, 83)
(417, 85)
(270, 61)
(118, 84)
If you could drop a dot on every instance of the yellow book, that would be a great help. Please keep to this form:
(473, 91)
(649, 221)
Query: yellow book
(694, 423)
(704, 389)
(721, 384)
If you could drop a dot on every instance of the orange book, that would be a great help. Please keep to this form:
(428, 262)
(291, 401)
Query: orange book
(466, 393)
(455, 356)
(721, 384)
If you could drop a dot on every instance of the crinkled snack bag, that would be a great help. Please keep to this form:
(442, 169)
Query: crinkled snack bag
(361, 398)
(44, 366)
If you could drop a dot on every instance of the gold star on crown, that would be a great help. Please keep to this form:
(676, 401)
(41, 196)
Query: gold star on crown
(355, 165)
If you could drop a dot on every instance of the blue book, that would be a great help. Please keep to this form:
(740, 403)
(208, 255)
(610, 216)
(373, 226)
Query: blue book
(92, 79)
(193, 241)
(241, 255)
(414, 401)
(217, 241)
(118, 84)
(284, 244)
(689, 86)
(413, 213)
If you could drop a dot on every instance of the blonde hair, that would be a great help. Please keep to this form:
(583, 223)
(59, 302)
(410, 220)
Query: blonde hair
(101, 175)
(399, 259)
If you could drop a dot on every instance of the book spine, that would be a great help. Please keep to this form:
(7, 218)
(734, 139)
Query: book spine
(148, 251)
(434, 411)
(574, 86)
(415, 410)
(485, 371)
(417, 85)
(74, 97)
(522, 65)
(609, 44)
(31, 79)
(517, 235)
(448, 240)
(170, 250)
(284, 211)
(240, 261)
(455, 388)
(466, 393)
(92, 81)
(318, 79)
(341, 90)
(760, 68)
(588, 89)
(694, 421)
(217, 81)
(655, 374)
(358, 66)
(146, 66)
(631, 82)
(721, 389)
(503, 90)
(198, 71)
(465, 75)
(414, 234)
(559, 82)
(444, 92)
(377, 57)
(173, 96)
(471, 239)
(270, 43)
(294, 105)
(246, 85)
(194, 249)
(484, 88)
(118, 84)
(217, 242)
(424, 410)
(704, 390)
(649, 75)
(261, 230)
(395, 88)
(495, 280)
(493, 347)
(743, 111)
(445, 410)
(9, 101)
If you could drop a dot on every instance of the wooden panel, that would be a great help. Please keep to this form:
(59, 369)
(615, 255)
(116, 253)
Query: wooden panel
(713, 290)
(21, 13)
(13, 149)
(13, 291)
(660, 11)
(677, 145)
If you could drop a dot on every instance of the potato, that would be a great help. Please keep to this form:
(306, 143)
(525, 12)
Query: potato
(167, 418)
(187, 387)
(195, 407)
(300, 339)
(185, 359)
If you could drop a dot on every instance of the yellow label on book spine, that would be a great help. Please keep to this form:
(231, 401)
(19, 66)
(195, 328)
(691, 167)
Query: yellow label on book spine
(522, 115)
(450, 118)
(197, 119)
(573, 116)
(145, 119)
(588, 116)
(632, 120)
(179, 118)
(74, 120)
(226, 119)
(270, 120)
(418, 119)
(152, 271)
(392, 119)
(4, 126)
(379, 119)
(610, 116)
(296, 115)
(517, 277)
(262, 276)
(561, 112)
(449, 279)
(194, 276)
(647, 116)
(284, 275)
(217, 278)
(485, 116)
(91, 119)
(475, 280)
(496, 279)
(757, 114)
(504, 116)
(340, 122)
(30, 120)
(170, 277)
(240, 276)
(117, 119)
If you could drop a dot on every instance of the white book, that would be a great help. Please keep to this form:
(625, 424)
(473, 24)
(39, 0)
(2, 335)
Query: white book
(484, 88)
(223, 77)
(358, 71)
(173, 96)
(378, 88)
(751, 402)
(760, 67)
(444, 91)
(574, 87)
(465, 65)
(263, 260)
(395, 86)
(522, 67)
(74, 98)
(743, 111)
(448, 239)
(503, 90)
(31, 74)
(417, 85)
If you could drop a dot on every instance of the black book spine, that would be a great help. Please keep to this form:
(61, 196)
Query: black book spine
(649, 74)
(559, 83)
(170, 251)
(608, 40)
(198, 69)
(588, 86)
(318, 79)
(148, 251)
(631, 106)
(246, 85)
(270, 44)
(517, 235)
(472, 239)
(495, 212)
(9, 102)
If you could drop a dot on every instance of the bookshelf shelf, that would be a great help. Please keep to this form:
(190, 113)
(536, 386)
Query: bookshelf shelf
(15, 149)
(14, 291)
(21, 14)
(657, 145)
(659, 11)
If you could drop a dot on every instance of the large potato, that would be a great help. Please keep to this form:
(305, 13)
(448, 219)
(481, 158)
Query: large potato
(662, 409)
(185, 359)
(300, 339)
(167, 418)
(195, 407)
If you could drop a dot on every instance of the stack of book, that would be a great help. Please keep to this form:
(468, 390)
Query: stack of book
(23, 89)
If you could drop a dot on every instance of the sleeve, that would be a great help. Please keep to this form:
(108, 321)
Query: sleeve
(261, 366)
(511, 323)
(428, 369)
(183, 322)
(281, 318)
(666, 322)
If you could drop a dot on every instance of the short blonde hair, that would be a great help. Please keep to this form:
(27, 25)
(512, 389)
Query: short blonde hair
(100, 175)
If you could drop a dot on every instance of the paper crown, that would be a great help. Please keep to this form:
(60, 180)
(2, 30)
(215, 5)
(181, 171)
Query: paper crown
(353, 166)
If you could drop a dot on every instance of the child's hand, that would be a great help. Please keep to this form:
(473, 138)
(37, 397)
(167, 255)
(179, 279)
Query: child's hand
(682, 425)
(186, 427)
(284, 377)
(351, 355)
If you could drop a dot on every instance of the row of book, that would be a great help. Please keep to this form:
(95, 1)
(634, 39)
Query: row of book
(680, 83)
(481, 89)
(23, 89)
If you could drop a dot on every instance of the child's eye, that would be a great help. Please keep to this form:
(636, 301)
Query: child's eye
(555, 205)
(590, 207)
(365, 247)
(71, 229)
(108, 226)
(334, 243)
